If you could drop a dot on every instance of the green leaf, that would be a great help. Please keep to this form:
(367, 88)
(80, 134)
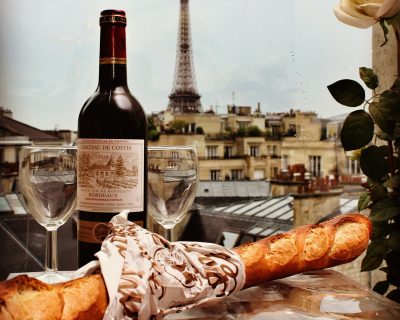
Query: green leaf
(393, 277)
(357, 130)
(373, 162)
(385, 209)
(384, 151)
(384, 269)
(378, 191)
(375, 253)
(380, 117)
(396, 84)
(389, 105)
(394, 295)
(396, 131)
(381, 287)
(393, 261)
(393, 182)
(394, 241)
(369, 77)
(364, 201)
(347, 92)
(380, 230)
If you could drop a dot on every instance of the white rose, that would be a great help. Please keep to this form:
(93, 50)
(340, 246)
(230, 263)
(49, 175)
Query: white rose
(365, 13)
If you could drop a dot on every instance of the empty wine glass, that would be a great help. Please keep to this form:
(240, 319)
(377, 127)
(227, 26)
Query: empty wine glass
(172, 184)
(48, 183)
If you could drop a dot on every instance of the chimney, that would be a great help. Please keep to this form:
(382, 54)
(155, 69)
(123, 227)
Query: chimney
(4, 112)
(311, 207)
(313, 198)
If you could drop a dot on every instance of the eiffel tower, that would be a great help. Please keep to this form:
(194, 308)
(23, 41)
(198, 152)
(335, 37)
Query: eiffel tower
(184, 97)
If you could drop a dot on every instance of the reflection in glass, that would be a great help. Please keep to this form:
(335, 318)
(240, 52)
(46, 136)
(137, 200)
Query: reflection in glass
(48, 183)
(172, 183)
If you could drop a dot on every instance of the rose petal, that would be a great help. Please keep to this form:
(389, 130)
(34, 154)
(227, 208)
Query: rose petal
(388, 9)
(346, 18)
(352, 8)
(371, 8)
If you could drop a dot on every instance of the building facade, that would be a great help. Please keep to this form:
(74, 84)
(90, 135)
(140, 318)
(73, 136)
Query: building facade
(246, 145)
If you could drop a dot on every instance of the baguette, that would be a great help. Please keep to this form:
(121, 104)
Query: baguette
(28, 298)
(310, 247)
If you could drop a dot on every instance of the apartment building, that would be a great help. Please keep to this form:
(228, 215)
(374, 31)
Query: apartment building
(246, 145)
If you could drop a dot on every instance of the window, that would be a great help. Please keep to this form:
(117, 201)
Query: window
(211, 152)
(236, 174)
(228, 152)
(274, 150)
(285, 162)
(269, 149)
(174, 155)
(276, 130)
(292, 130)
(315, 165)
(254, 151)
(274, 172)
(353, 166)
(242, 125)
(215, 175)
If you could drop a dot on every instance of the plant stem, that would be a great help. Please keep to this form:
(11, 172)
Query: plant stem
(392, 165)
(396, 32)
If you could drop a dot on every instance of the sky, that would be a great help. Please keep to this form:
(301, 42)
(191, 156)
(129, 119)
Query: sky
(282, 54)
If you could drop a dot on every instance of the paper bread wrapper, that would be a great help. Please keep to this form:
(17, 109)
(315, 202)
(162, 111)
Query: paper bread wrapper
(148, 277)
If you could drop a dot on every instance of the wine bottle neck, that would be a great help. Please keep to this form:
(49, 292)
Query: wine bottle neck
(112, 63)
(112, 75)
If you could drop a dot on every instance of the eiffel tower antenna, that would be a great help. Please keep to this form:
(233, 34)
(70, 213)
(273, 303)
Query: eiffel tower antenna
(184, 97)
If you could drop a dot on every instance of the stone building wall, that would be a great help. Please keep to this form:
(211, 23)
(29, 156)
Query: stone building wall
(310, 208)
(385, 62)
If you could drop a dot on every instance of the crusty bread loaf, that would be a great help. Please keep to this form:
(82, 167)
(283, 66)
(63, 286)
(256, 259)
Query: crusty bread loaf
(310, 247)
(28, 298)
(306, 248)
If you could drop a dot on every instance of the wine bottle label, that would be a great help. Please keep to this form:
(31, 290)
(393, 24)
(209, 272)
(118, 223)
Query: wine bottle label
(94, 231)
(110, 175)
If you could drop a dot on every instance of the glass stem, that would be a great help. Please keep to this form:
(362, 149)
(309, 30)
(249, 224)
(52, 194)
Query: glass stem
(51, 258)
(168, 234)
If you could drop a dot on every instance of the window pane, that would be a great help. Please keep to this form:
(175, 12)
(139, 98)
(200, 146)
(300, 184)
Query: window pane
(49, 55)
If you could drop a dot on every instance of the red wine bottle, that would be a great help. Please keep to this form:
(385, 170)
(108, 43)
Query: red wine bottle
(112, 145)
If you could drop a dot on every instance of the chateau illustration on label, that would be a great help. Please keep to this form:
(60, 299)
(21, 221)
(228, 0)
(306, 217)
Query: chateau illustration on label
(110, 175)
(107, 171)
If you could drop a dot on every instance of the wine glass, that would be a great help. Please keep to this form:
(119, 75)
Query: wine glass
(172, 184)
(47, 177)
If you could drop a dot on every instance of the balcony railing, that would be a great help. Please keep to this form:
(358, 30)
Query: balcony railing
(222, 158)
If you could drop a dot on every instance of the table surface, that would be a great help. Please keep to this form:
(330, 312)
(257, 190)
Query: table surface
(316, 295)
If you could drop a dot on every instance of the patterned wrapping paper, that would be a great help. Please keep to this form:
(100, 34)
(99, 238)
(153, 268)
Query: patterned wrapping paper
(148, 277)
